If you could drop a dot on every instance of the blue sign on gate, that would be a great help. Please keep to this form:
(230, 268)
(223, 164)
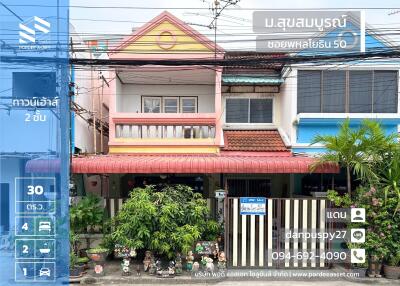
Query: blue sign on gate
(252, 206)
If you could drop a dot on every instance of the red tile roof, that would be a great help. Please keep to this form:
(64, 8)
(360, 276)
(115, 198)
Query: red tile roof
(254, 140)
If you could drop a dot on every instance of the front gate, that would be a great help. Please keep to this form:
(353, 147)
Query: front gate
(257, 241)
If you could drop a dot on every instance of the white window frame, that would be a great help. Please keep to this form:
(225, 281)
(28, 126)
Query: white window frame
(170, 97)
(152, 97)
(248, 97)
(188, 97)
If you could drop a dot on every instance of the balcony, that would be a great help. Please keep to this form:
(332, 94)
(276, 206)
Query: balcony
(164, 132)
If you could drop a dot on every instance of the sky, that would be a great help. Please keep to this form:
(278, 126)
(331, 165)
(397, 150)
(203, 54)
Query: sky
(233, 24)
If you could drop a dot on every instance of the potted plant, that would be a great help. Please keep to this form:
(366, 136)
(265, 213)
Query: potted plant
(83, 262)
(74, 269)
(97, 254)
(391, 266)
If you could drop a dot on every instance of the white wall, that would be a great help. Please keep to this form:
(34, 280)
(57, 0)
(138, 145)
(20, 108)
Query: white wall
(288, 105)
(129, 97)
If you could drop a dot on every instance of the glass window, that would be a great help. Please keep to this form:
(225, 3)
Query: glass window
(237, 110)
(171, 105)
(152, 104)
(309, 91)
(363, 92)
(261, 110)
(360, 91)
(249, 110)
(188, 105)
(334, 91)
(385, 92)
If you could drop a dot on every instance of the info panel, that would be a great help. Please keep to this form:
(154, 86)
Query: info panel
(34, 142)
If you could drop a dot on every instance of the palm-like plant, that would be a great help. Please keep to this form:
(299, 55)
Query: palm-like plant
(358, 150)
(390, 177)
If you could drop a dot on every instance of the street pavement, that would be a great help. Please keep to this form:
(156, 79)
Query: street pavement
(273, 283)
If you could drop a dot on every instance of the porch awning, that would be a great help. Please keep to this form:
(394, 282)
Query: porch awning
(195, 164)
(251, 80)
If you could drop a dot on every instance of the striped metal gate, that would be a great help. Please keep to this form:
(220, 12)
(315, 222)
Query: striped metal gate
(256, 241)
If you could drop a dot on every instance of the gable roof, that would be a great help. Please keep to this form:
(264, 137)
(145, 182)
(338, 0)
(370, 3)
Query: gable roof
(166, 16)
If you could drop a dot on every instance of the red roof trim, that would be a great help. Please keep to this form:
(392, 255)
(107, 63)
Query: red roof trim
(252, 163)
(194, 164)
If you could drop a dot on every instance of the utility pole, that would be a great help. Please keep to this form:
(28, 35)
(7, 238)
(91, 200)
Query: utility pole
(217, 9)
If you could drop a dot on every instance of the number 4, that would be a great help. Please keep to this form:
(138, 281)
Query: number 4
(25, 226)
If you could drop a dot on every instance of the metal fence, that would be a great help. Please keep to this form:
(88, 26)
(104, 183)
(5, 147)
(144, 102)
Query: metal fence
(257, 241)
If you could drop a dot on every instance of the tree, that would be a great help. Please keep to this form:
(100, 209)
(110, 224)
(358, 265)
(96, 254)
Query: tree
(165, 220)
(358, 150)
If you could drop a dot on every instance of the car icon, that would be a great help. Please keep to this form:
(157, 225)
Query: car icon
(44, 272)
(45, 226)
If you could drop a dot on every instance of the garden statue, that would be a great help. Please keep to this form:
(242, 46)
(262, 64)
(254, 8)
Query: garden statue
(132, 253)
(189, 261)
(159, 271)
(152, 267)
(196, 267)
(171, 269)
(138, 270)
(147, 260)
(199, 247)
(203, 262)
(178, 264)
(209, 264)
(125, 264)
(375, 266)
(215, 252)
(221, 261)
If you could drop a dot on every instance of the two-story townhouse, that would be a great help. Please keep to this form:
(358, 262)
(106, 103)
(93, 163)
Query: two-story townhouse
(204, 126)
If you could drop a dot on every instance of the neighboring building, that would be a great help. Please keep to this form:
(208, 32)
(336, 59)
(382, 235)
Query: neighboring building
(318, 97)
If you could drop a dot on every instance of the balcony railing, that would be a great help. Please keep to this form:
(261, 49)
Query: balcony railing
(144, 131)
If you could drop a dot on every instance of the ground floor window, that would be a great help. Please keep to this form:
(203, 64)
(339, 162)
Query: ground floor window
(249, 187)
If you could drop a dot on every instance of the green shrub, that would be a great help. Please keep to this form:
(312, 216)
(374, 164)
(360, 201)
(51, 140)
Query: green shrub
(87, 213)
(164, 220)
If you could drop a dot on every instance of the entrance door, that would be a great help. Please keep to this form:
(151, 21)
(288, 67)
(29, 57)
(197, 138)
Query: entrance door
(249, 187)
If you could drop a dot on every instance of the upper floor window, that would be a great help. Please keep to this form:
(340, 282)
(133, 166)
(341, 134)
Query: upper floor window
(359, 91)
(249, 110)
(169, 104)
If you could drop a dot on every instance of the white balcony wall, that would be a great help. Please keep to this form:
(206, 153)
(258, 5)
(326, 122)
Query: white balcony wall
(129, 95)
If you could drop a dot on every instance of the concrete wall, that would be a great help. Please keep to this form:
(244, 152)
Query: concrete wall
(129, 95)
